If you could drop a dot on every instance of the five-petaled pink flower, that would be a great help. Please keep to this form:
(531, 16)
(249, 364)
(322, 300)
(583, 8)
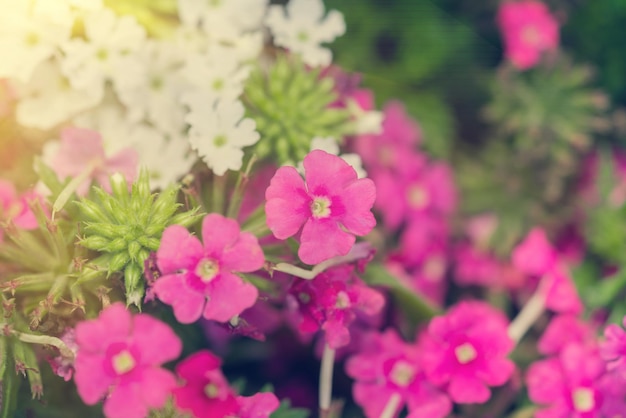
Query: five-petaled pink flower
(14, 209)
(332, 204)
(119, 357)
(466, 351)
(82, 151)
(528, 30)
(199, 279)
(387, 366)
(207, 394)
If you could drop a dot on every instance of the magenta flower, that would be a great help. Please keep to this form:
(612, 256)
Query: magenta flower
(119, 357)
(535, 254)
(387, 366)
(330, 206)
(14, 209)
(82, 150)
(528, 30)
(198, 279)
(613, 349)
(466, 351)
(206, 393)
(567, 384)
(562, 331)
(329, 302)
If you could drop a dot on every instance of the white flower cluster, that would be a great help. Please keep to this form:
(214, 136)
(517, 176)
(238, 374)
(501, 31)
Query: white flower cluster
(78, 62)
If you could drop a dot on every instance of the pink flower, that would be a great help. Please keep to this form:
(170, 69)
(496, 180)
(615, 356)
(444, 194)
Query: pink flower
(567, 384)
(62, 365)
(528, 30)
(329, 301)
(562, 331)
(466, 351)
(331, 203)
(535, 255)
(119, 357)
(613, 349)
(207, 394)
(198, 279)
(82, 150)
(387, 366)
(390, 149)
(474, 266)
(14, 209)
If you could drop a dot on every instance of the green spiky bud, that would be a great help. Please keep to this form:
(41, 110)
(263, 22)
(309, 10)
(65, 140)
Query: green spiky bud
(128, 225)
(289, 104)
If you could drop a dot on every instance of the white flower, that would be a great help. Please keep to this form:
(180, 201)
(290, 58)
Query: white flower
(155, 96)
(243, 14)
(48, 99)
(305, 29)
(107, 54)
(330, 146)
(219, 134)
(30, 33)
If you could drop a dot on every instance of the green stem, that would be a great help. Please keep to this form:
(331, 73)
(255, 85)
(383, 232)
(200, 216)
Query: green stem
(44, 340)
(240, 185)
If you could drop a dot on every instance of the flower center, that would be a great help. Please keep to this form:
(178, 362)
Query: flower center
(304, 297)
(531, 36)
(303, 36)
(123, 362)
(465, 353)
(218, 84)
(211, 391)
(32, 39)
(343, 300)
(434, 268)
(402, 373)
(207, 269)
(583, 399)
(320, 208)
(219, 141)
(156, 83)
(102, 54)
(418, 197)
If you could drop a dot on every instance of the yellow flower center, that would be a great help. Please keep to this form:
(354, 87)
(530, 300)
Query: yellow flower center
(320, 208)
(207, 269)
(417, 196)
(402, 373)
(465, 353)
(211, 391)
(343, 300)
(434, 268)
(531, 36)
(583, 399)
(123, 362)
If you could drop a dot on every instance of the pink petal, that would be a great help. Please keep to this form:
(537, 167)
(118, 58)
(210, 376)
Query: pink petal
(125, 162)
(92, 383)
(193, 369)
(218, 233)
(498, 371)
(358, 199)
(187, 304)
(545, 381)
(114, 323)
(288, 204)
(535, 255)
(78, 148)
(8, 194)
(468, 390)
(155, 340)
(229, 295)
(125, 402)
(363, 367)
(372, 398)
(179, 250)
(245, 255)
(327, 172)
(156, 386)
(259, 405)
(322, 240)
(429, 402)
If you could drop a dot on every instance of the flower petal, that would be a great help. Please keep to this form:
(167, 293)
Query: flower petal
(179, 250)
(229, 296)
(187, 304)
(288, 205)
(326, 173)
(155, 340)
(322, 240)
(245, 256)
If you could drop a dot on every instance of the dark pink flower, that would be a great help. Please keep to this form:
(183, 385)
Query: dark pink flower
(259, 405)
(528, 30)
(119, 357)
(613, 349)
(466, 351)
(329, 301)
(330, 206)
(567, 384)
(81, 150)
(199, 279)
(14, 209)
(388, 366)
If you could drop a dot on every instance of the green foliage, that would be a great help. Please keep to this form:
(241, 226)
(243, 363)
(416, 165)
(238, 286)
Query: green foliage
(127, 226)
(290, 107)
(286, 411)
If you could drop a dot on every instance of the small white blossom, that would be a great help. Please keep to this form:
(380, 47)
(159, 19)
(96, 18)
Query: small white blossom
(330, 146)
(48, 99)
(107, 54)
(30, 33)
(305, 29)
(245, 15)
(219, 134)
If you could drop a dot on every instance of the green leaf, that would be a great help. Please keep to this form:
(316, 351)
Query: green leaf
(606, 290)
(285, 411)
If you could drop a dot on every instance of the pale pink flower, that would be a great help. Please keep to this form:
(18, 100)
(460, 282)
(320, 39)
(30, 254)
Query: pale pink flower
(466, 351)
(119, 357)
(387, 366)
(329, 303)
(82, 150)
(329, 207)
(528, 30)
(14, 209)
(199, 279)
(567, 384)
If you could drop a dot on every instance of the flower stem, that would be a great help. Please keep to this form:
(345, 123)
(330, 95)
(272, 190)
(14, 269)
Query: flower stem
(391, 407)
(71, 187)
(242, 180)
(326, 380)
(531, 311)
(356, 253)
(45, 340)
